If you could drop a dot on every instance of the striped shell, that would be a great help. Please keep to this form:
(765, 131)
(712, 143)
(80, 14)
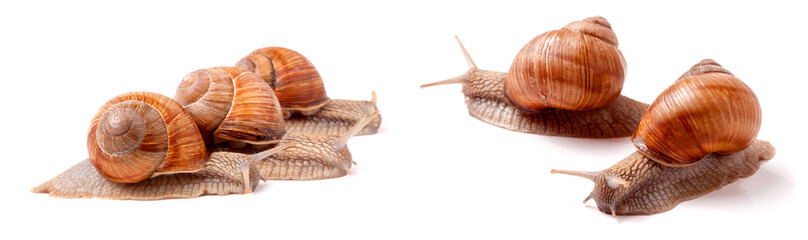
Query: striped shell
(577, 68)
(138, 135)
(296, 82)
(231, 104)
(707, 110)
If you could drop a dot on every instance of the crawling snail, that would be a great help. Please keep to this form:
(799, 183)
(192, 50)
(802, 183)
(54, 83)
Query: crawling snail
(144, 146)
(696, 137)
(301, 94)
(564, 82)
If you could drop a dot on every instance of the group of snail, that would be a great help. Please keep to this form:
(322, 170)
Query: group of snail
(697, 136)
(269, 118)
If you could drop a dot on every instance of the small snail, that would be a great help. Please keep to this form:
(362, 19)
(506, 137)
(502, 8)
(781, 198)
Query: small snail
(696, 137)
(231, 104)
(565, 82)
(301, 93)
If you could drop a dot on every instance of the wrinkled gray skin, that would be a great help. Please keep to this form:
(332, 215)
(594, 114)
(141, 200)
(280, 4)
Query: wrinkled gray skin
(648, 187)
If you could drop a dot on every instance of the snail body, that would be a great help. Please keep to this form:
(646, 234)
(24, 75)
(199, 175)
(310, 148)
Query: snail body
(309, 156)
(556, 86)
(638, 185)
(225, 173)
(228, 170)
(696, 137)
(337, 118)
(302, 97)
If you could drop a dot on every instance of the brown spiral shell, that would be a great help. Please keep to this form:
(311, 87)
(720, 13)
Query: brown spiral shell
(296, 82)
(232, 104)
(577, 67)
(140, 134)
(707, 110)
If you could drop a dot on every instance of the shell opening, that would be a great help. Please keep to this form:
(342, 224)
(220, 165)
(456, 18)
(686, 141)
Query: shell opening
(640, 144)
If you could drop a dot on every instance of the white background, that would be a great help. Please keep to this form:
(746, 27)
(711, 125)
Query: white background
(432, 171)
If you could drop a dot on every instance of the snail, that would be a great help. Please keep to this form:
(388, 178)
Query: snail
(232, 104)
(696, 137)
(564, 82)
(143, 145)
(301, 94)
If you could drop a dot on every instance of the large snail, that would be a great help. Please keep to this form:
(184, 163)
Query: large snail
(696, 137)
(145, 146)
(565, 82)
(140, 134)
(301, 94)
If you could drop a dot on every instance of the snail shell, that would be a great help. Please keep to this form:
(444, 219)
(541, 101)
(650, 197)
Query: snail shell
(232, 104)
(577, 67)
(707, 110)
(296, 82)
(140, 134)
